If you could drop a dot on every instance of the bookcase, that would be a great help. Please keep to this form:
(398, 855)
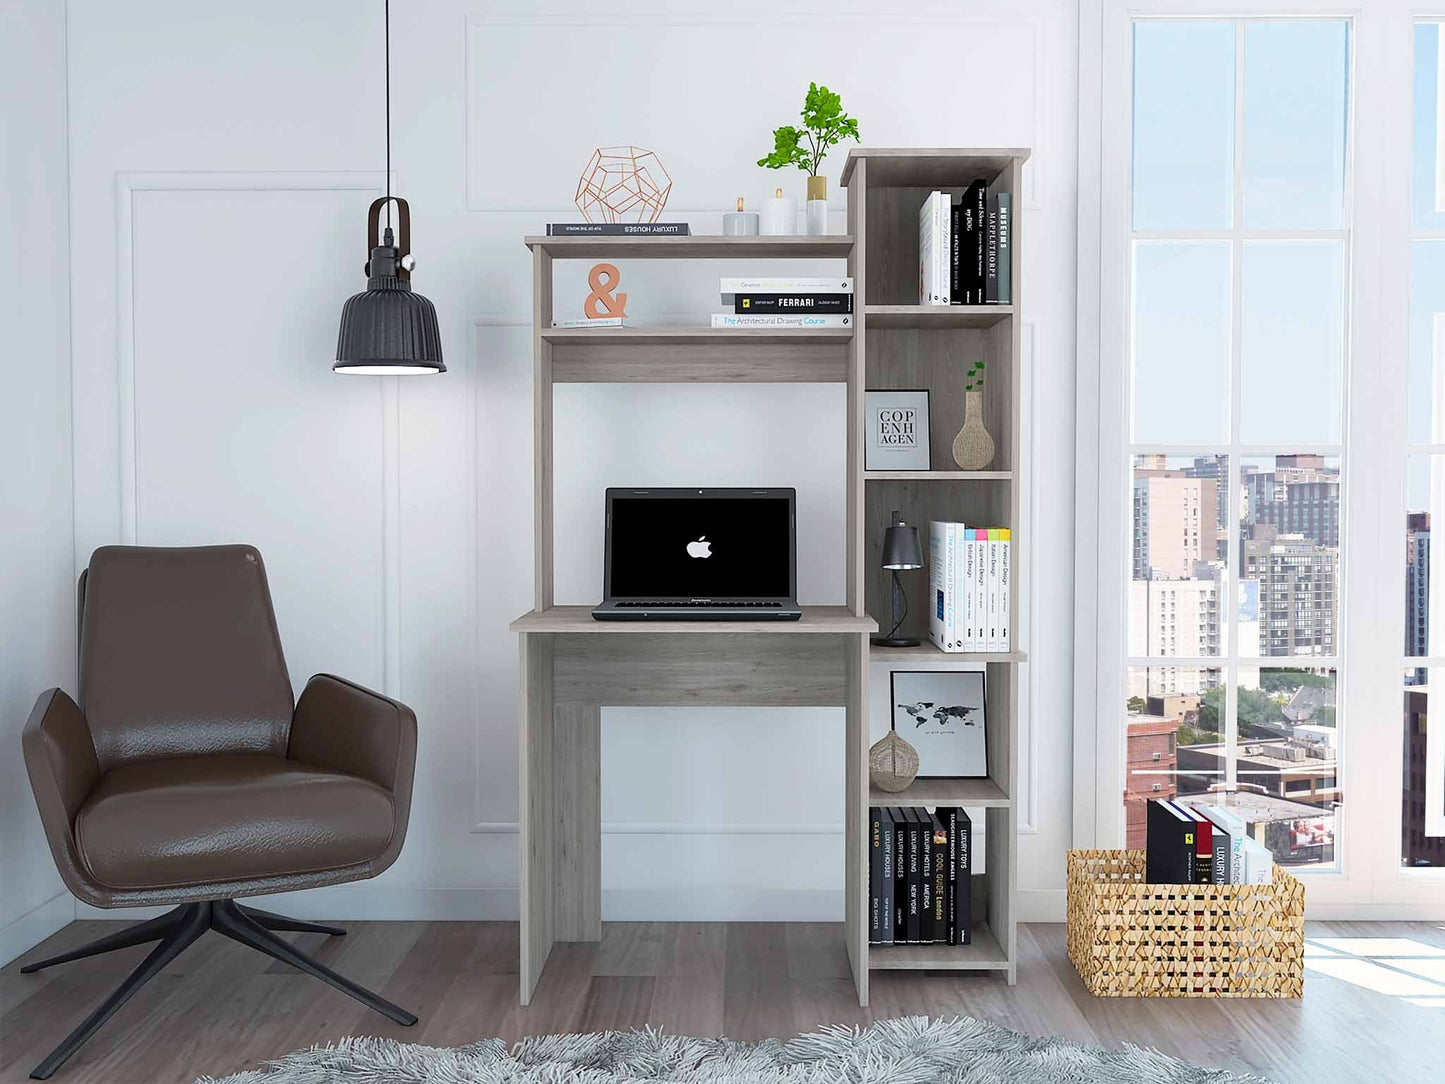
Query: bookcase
(901, 344)
(571, 665)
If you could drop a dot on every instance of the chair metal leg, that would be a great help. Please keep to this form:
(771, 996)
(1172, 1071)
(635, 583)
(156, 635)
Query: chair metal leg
(152, 929)
(229, 919)
(272, 921)
(193, 920)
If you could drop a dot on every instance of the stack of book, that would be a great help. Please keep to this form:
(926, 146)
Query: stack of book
(919, 865)
(1191, 843)
(964, 248)
(786, 302)
(968, 581)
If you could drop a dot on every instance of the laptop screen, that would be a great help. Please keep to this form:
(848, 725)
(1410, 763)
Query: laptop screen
(707, 545)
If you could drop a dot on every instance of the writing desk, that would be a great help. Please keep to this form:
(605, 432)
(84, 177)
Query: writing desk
(573, 665)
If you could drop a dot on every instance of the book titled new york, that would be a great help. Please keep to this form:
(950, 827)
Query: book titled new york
(1169, 850)
(913, 927)
(751, 303)
(617, 229)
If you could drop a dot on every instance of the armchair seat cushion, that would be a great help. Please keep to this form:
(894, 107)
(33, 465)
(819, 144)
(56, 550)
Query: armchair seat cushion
(197, 820)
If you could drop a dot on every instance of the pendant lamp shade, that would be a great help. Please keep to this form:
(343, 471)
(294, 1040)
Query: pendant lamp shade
(389, 330)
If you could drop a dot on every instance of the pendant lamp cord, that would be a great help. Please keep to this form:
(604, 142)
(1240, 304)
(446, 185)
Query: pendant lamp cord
(388, 112)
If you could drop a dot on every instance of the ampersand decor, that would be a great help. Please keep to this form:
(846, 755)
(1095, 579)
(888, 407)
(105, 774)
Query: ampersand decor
(600, 302)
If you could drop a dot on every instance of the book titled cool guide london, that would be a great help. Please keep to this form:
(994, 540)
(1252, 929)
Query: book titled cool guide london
(919, 876)
(969, 574)
(965, 249)
(1196, 843)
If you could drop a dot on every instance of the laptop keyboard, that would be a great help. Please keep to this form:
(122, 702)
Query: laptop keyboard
(700, 605)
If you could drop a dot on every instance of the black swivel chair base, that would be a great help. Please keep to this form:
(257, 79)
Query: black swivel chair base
(176, 931)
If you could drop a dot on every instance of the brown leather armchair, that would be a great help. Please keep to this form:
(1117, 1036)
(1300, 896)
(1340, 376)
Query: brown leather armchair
(187, 776)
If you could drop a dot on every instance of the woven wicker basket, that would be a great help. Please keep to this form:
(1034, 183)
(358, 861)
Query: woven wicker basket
(1131, 939)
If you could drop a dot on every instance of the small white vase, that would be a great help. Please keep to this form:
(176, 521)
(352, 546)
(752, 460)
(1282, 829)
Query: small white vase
(817, 207)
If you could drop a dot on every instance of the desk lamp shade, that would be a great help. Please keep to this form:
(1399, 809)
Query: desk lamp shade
(901, 548)
(387, 330)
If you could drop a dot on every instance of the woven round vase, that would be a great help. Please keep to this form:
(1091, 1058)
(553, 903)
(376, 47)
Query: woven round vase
(892, 763)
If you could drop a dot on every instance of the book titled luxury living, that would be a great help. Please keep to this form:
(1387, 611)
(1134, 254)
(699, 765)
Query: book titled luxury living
(900, 875)
(618, 229)
(814, 320)
(789, 302)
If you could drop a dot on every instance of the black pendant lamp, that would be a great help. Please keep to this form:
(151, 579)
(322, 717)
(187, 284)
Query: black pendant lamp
(388, 330)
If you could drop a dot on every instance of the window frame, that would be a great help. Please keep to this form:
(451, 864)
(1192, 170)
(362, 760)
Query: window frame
(1369, 880)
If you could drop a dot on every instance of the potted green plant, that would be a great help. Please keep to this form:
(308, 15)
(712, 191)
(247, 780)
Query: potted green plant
(825, 125)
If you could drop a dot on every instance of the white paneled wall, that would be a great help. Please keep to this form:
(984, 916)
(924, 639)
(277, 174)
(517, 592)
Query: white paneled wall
(217, 199)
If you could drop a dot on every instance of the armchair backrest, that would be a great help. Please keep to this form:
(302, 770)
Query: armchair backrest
(180, 655)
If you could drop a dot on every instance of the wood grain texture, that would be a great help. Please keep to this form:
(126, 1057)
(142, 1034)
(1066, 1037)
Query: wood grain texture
(936, 792)
(535, 802)
(936, 316)
(702, 357)
(577, 819)
(701, 247)
(933, 167)
(855, 863)
(709, 668)
(220, 1009)
(816, 619)
(853, 593)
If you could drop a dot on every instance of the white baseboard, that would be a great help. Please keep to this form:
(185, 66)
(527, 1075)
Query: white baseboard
(33, 927)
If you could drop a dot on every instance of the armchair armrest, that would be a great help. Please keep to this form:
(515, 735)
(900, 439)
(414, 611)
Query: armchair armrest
(60, 759)
(343, 726)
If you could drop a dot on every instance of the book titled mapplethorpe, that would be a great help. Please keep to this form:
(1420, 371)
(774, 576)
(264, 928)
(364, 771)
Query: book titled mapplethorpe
(617, 229)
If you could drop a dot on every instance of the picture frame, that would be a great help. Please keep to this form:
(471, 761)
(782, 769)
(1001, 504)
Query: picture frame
(897, 429)
(944, 715)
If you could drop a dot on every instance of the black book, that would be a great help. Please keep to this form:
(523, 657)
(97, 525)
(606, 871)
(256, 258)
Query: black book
(885, 880)
(1168, 845)
(990, 253)
(979, 193)
(960, 870)
(900, 875)
(875, 875)
(913, 925)
(804, 303)
(939, 836)
(955, 219)
(617, 229)
(965, 275)
(925, 877)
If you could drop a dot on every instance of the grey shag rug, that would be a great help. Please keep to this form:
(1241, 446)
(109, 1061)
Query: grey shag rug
(913, 1050)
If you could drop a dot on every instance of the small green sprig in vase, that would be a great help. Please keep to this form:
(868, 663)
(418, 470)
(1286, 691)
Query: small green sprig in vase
(973, 446)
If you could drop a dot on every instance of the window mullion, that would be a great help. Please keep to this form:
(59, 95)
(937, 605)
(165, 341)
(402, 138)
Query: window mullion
(1233, 573)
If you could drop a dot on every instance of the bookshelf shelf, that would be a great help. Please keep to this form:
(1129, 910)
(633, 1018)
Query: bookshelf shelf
(693, 248)
(936, 792)
(926, 654)
(936, 316)
(693, 336)
(815, 619)
(985, 953)
(938, 476)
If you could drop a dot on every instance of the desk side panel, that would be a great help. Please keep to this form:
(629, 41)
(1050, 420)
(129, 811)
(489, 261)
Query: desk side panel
(535, 812)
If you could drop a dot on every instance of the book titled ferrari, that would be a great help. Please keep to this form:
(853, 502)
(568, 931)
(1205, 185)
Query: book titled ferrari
(813, 320)
(792, 302)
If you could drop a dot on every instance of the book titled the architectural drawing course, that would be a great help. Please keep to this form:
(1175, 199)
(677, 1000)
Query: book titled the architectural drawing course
(782, 319)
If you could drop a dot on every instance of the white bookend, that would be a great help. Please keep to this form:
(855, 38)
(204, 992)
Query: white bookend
(937, 564)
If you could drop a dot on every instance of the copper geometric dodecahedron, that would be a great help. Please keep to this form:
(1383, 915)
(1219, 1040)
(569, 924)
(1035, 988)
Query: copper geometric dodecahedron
(623, 184)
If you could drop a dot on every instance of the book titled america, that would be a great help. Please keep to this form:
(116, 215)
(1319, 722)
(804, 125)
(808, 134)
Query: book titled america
(617, 229)
(1169, 850)
(800, 302)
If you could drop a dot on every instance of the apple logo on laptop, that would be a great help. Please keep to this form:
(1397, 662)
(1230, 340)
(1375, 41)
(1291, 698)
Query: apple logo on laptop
(701, 548)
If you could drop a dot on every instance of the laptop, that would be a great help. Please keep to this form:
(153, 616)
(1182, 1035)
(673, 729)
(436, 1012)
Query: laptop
(700, 555)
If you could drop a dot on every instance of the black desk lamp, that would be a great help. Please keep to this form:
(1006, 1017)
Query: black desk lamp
(900, 551)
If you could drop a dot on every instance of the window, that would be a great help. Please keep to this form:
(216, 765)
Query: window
(1423, 799)
(1238, 302)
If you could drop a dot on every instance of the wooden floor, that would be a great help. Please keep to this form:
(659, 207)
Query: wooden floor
(221, 1008)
